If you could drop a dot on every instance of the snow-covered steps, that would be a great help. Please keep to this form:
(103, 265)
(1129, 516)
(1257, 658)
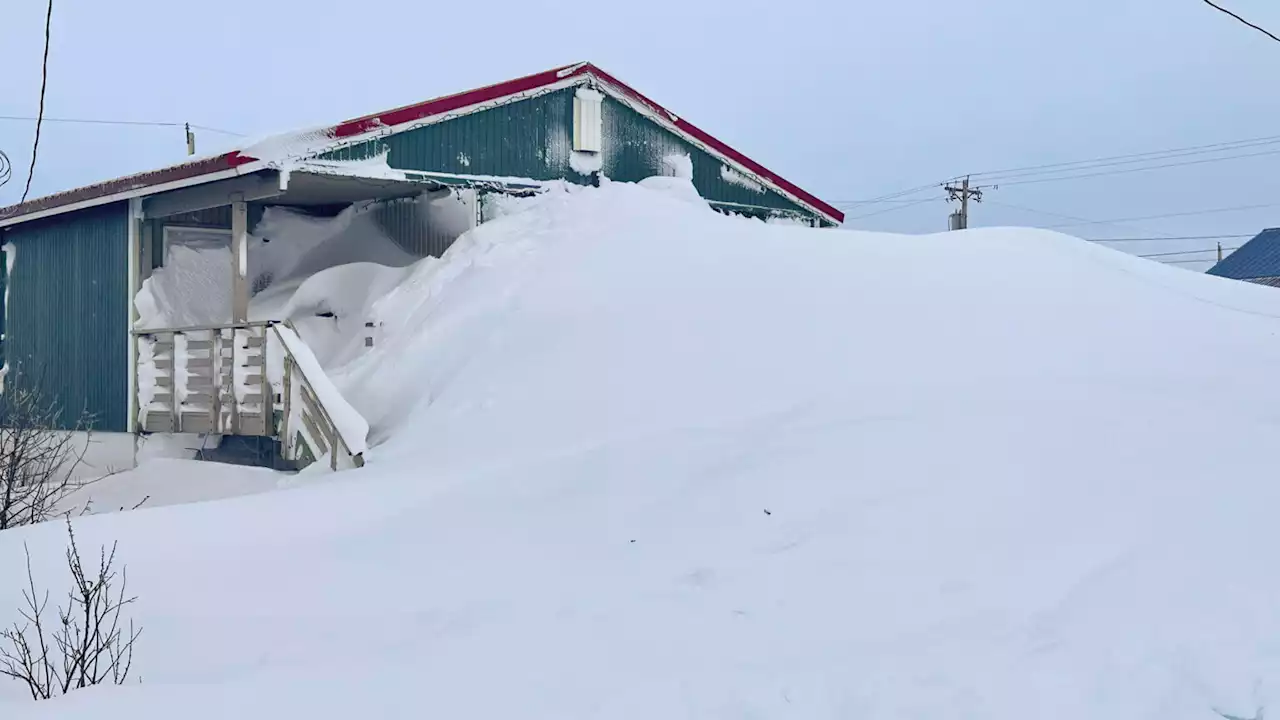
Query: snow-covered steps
(316, 421)
(246, 380)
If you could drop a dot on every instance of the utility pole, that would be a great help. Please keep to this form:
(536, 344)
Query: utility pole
(963, 193)
(1219, 252)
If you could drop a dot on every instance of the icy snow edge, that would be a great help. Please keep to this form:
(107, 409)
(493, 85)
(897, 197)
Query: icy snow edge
(349, 424)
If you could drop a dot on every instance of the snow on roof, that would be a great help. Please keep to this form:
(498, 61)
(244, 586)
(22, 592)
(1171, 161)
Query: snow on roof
(286, 148)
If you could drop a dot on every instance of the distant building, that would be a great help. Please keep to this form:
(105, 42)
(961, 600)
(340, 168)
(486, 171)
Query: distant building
(1257, 261)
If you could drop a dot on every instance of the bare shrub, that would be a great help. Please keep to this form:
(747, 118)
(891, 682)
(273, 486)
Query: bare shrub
(86, 644)
(38, 458)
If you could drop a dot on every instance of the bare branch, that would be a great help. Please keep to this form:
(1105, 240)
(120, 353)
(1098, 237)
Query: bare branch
(40, 455)
(88, 645)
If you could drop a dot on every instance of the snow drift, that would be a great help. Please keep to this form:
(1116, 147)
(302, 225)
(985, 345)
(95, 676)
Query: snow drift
(640, 460)
(286, 250)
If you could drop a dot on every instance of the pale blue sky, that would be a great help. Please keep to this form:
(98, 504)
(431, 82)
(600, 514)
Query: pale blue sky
(850, 100)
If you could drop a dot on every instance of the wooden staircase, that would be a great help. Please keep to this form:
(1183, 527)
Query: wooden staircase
(250, 380)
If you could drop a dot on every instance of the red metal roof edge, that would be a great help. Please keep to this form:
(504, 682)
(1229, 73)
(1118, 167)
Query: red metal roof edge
(709, 139)
(173, 173)
(419, 111)
(408, 114)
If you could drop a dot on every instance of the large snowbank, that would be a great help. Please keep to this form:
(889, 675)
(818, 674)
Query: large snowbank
(641, 460)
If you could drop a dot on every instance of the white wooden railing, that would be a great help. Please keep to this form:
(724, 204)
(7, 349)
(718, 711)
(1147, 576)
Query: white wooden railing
(251, 379)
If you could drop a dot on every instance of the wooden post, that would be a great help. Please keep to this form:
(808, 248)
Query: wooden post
(286, 442)
(239, 262)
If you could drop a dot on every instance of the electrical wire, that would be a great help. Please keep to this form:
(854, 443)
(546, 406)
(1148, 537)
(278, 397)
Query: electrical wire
(1148, 168)
(892, 197)
(1186, 252)
(1177, 262)
(144, 123)
(1130, 228)
(44, 84)
(1211, 211)
(854, 203)
(6, 169)
(1260, 29)
(1179, 237)
(1108, 161)
(1095, 165)
(893, 209)
(1138, 157)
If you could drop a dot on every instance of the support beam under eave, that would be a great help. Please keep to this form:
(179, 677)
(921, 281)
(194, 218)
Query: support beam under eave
(239, 261)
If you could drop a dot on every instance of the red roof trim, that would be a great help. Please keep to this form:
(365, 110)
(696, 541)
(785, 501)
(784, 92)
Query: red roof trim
(150, 178)
(409, 114)
(710, 140)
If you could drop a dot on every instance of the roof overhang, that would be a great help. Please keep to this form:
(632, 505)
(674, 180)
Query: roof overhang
(308, 188)
(245, 162)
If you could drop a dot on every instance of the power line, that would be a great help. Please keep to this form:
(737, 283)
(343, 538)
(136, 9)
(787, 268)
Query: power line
(894, 209)
(852, 203)
(1074, 166)
(1151, 157)
(1179, 237)
(1196, 260)
(1140, 169)
(1186, 252)
(1190, 213)
(143, 123)
(1138, 157)
(1262, 30)
(891, 197)
(6, 169)
(44, 84)
(1071, 217)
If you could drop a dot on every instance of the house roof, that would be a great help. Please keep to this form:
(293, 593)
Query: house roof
(309, 143)
(1258, 258)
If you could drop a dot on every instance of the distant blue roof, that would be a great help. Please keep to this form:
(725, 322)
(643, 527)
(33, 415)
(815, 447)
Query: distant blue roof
(1258, 258)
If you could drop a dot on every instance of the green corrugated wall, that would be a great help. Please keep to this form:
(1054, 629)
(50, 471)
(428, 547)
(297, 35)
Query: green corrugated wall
(533, 138)
(634, 147)
(528, 139)
(67, 324)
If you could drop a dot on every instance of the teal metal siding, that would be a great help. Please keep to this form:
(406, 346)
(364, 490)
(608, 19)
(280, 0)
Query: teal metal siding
(528, 139)
(533, 139)
(67, 328)
(402, 220)
(4, 282)
(634, 147)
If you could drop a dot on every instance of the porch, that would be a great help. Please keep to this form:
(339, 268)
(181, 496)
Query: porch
(217, 346)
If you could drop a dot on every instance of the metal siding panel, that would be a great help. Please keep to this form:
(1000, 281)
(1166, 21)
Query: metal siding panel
(528, 138)
(68, 312)
(399, 220)
(403, 221)
(634, 147)
(4, 279)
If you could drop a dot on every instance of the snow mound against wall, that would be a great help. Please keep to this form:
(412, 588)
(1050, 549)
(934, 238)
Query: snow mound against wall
(288, 244)
(193, 288)
(330, 309)
(286, 248)
(640, 460)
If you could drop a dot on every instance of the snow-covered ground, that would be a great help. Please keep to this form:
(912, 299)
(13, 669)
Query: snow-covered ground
(637, 460)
